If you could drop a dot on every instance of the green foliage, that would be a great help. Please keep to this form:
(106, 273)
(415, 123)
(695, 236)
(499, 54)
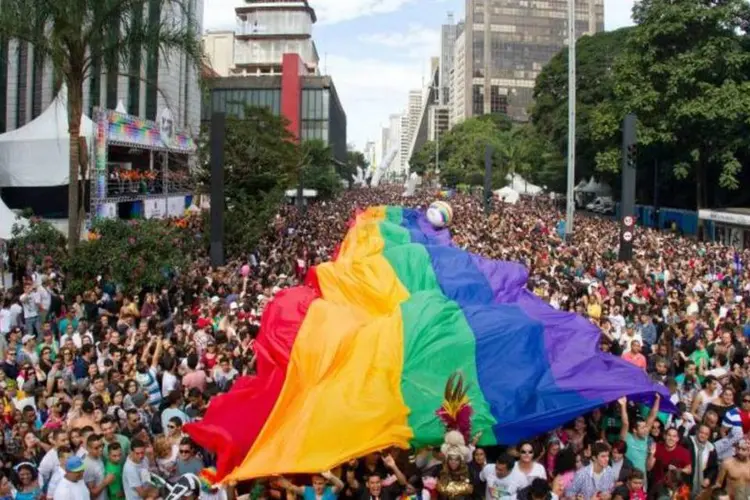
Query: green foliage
(38, 241)
(261, 161)
(132, 254)
(686, 75)
(423, 160)
(598, 115)
(318, 170)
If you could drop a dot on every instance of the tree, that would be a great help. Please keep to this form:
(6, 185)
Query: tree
(423, 160)
(77, 36)
(261, 162)
(686, 75)
(595, 87)
(317, 169)
(462, 152)
(354, 160)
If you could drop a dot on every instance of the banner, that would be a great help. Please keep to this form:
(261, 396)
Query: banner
(107, 211)
(155, 208)
(175, 206)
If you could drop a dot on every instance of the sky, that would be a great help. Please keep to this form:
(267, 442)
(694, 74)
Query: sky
(378, 50)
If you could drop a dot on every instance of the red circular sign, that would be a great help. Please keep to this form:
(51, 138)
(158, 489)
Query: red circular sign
(628, 220)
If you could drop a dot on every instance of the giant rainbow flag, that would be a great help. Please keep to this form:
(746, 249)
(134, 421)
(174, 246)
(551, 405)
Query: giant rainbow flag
(357, 361)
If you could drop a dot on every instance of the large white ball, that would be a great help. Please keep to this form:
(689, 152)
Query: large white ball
(439, 214)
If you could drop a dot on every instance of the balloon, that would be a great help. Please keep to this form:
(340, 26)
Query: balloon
(440, 214)
(245, 271)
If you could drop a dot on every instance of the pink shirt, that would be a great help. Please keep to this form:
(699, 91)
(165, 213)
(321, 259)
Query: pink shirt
(638, 360)
(195, 379)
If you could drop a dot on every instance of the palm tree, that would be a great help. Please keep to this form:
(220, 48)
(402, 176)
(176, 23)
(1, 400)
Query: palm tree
(79, 37)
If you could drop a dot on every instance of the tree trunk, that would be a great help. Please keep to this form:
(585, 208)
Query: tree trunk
(75, 109)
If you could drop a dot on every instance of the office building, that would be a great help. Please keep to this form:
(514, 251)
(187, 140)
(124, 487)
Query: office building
(438, 121)
(447, 45)
(27, 83)
(384, 144)
(413, 112)
(309, 102)
(506, 45)
(219, 47)
(457, 101)
(266, 30)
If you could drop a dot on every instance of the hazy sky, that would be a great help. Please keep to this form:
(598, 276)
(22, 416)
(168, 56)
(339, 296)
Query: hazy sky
(377, 50)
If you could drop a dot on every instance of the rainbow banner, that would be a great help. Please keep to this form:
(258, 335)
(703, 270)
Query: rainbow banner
(358, 360)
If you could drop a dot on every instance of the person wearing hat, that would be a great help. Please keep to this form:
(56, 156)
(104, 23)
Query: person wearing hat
(28, 352)
(72, 486)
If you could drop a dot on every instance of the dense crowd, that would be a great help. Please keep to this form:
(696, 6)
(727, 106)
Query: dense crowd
(95, 389)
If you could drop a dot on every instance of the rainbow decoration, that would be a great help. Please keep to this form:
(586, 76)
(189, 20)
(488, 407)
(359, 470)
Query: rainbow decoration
(358, 360)
(129, 129)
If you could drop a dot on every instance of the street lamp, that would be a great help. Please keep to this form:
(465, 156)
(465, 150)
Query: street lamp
(570, 208)
(437, 132)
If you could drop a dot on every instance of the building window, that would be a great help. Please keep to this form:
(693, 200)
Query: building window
(23, 67)
(134, 81)
(152, 61)
(95, 85)
(3, 83)
(37, 83)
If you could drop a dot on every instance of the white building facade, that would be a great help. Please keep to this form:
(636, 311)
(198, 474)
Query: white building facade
(266, 30)
(27, 86)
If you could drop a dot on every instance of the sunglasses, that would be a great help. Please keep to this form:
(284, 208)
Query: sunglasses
(527, 452)
(185, 452)
(171, 427)
(746, 400)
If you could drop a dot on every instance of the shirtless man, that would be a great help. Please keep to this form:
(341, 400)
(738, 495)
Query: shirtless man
(737, 470)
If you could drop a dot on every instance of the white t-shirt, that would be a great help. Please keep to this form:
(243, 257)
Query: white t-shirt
(168, 383)
(68, 490)
(4, 320)
(15, 312)
(537, 471)
(504, 488)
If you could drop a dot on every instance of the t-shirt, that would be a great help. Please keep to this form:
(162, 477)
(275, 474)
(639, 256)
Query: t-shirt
(134, 476)
(114, 490)
(124, 444)
(168, 383)
(637, 451)
(68, 490)
(328, 494)
(93, 475)
(501, 488)
(679, 457)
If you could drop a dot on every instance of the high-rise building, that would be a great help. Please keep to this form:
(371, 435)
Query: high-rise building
(438, 121)
(456, 101)
(396, 123)
(266, 30)
(413, 112)
(447, 45)
(508, 42)
(159, 81)
(219, 47)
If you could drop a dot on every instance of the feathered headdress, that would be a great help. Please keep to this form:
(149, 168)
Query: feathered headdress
(456, 410)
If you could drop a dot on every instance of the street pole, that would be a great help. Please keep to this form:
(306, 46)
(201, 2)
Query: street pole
(571, 118)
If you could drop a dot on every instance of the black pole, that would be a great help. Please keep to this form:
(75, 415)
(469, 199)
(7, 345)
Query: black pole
(218, 135)
(656, 194)
(487, 179)
(627, 201)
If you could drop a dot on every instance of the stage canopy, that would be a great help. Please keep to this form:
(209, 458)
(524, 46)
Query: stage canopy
(36, 154)
(7, 219)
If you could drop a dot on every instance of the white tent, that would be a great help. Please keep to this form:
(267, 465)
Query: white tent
(7, 219)
(121, 108)
(507, 195)
(36, 154)
(521, 185)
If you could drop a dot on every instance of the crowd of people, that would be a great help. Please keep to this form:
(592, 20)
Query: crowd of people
(95, 389)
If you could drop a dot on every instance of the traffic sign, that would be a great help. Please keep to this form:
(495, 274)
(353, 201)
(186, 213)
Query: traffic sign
(627, 236)
(628, 220)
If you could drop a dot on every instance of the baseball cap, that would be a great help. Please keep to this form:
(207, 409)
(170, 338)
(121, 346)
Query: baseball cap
(74, 464)
(27, 338)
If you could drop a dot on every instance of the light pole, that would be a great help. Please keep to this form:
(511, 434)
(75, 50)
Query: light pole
(570, 208)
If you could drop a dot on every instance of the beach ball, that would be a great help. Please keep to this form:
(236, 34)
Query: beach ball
(440, 214)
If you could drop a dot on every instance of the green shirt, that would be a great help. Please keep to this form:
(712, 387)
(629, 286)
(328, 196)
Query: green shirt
(124, 444)
(114, 489)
